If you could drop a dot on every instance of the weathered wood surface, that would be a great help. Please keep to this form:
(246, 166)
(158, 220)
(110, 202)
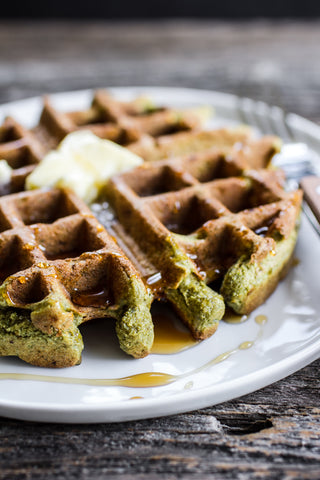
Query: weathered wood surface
(273, 61)
(270, 434)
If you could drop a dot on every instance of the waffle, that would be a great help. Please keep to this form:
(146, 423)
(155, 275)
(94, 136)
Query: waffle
(205, 222)
(136, 122)
(151, 132)
(194, 141)
(121, 122)
(207, 230)
(60, 268)
(22, 151)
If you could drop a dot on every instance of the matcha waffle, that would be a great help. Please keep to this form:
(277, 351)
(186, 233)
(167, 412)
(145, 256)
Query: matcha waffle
(22, 151)
(136, 122)
(59, 268)
(208, 229)
(122, 122)
(205, 222)
(194, 141)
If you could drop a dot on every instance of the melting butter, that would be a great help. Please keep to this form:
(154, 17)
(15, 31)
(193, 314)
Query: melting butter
(82, 162)
(5, 172)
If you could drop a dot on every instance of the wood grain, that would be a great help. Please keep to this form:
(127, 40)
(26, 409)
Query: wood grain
(269, 434)
(272, 61)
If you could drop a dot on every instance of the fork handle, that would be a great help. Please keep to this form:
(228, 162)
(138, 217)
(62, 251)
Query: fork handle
(311, 189)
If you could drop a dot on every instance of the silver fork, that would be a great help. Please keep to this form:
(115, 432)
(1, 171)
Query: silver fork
(300, 163)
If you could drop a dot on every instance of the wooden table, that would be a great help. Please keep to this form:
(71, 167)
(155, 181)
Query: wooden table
(270, 434)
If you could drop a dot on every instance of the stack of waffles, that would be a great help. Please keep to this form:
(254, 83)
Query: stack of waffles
(203, 224)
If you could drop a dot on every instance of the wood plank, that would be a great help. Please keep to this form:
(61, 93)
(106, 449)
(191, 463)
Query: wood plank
(272, 434)
(273, 61)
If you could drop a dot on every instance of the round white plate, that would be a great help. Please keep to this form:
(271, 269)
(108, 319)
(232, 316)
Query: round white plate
(210, 372)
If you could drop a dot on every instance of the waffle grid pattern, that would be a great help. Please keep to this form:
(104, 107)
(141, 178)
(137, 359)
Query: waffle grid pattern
(136, 122)
(222, 215)
(59, 263)
(203, 223)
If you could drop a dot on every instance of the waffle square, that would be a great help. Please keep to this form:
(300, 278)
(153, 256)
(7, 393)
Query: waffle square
(22, 151)
(209, 223)
(60, 268)
(121, 122)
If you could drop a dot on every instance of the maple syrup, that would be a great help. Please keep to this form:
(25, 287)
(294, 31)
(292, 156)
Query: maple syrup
(245, 345)
(261, 319)
(169, 337)
(140, 380)
(93, 298)
(231, 317)
(164, 328)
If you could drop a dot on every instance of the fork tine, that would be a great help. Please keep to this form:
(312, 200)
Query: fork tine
(245, 112)
(241, 115)
(267, 119)
(273, 120)
(256, 114)
(281, 125)
(249, 107)
(263, 114)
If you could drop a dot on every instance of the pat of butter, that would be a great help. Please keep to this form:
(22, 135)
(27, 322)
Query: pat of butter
(82, 162)
(5, 172)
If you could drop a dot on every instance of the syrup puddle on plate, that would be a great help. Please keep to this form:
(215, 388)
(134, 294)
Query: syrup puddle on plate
(169, 335)
(231, 317)
(146, 379)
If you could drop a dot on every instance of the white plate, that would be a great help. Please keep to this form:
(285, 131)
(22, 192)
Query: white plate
(289, 340)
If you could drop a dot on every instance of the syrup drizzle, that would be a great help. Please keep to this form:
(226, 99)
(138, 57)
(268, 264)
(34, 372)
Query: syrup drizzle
(261, 319)
(231, 317)
(140, 380)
